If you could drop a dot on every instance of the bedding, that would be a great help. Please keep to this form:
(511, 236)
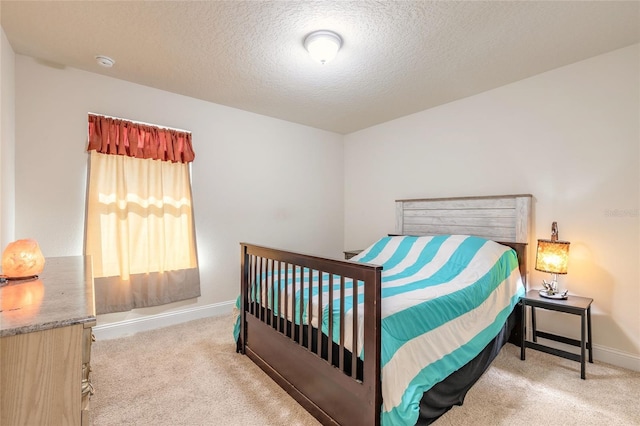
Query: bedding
(444, 298)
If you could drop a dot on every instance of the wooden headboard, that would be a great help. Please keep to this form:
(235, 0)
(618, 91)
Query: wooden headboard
(502, 218)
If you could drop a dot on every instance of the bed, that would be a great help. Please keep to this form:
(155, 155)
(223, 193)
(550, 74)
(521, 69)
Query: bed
(380, 339)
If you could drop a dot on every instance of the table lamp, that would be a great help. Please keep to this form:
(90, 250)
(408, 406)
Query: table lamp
(22, 260)
(552, 256)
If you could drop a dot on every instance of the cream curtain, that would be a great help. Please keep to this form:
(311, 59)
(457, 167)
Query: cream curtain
(140, 232)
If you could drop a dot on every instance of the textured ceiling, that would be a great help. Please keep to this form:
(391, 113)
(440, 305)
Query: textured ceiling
(398, 57)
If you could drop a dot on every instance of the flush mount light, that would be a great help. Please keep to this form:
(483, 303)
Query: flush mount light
(105, 61)
(323, 45)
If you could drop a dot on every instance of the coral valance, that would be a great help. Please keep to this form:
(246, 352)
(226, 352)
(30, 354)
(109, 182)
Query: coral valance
(121, 137)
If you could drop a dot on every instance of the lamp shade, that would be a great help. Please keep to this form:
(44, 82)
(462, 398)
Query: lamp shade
(22, 259)
(552, 256)
(323, 45)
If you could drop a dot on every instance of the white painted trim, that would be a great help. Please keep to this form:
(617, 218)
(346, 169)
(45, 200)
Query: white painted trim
(152, 322)
(616, 357)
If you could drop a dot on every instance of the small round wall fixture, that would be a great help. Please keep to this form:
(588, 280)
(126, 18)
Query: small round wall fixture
(323, 45)
(105, 61)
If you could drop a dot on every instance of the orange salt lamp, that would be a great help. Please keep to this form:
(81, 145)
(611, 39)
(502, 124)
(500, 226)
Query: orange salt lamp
(22, 259)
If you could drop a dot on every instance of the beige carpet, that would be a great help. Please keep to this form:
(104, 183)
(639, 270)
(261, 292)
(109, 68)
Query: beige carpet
(189, 374)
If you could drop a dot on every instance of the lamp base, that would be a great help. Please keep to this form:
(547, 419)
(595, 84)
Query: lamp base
(5, 280)
(554, 295)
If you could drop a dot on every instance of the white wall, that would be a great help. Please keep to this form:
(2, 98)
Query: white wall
(7, 141)
(255, 179)
(569, 136)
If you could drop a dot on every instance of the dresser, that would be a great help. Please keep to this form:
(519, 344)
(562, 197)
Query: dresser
(45, 345)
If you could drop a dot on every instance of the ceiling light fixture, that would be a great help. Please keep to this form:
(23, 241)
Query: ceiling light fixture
(105, 61)
(323, 45)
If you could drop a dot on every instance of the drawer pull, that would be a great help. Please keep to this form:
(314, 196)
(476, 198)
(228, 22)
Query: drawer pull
(86, 370)
(87, 388)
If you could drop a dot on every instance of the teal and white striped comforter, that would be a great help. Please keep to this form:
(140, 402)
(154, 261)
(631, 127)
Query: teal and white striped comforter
(444, 298)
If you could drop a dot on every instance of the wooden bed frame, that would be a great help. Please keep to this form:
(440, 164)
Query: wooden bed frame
(322, 375)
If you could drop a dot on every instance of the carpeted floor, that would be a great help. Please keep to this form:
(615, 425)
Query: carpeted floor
(190, 374)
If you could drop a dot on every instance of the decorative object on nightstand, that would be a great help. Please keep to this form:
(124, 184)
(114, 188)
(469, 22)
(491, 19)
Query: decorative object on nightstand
(552, 256)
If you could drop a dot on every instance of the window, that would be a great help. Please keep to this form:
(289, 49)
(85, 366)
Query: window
(139, 225)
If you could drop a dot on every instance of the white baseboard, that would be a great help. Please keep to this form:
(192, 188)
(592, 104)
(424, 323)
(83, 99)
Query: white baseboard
(616, 357)
(152, 322)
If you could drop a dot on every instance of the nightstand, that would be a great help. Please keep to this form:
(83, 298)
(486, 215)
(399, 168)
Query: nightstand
(350, 253)
(572, 305)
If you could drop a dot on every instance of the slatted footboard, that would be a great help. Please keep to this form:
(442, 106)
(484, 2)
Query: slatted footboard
(278, 334)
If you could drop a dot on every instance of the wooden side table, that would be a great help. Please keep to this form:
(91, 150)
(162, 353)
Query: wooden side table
(350, 253)
(572, 305)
